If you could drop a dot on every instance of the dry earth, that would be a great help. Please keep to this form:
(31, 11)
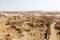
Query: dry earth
(27, 26)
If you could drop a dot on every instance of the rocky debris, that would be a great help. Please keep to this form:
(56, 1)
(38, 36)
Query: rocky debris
(57, 25)
(28, 27)
(57, 28)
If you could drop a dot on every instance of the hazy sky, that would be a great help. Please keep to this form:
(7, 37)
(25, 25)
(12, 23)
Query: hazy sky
(23, 5)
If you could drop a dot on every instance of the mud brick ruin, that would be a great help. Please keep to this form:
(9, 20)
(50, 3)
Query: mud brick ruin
(29, 26)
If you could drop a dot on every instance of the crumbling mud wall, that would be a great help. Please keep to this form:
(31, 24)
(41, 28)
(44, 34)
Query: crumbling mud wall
(28, 27)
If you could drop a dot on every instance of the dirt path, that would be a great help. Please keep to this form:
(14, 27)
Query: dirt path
(53, 33)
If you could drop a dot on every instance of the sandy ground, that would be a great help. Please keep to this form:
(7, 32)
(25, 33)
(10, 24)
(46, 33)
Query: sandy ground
(53, 35)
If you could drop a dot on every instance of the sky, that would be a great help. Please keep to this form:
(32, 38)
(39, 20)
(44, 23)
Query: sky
(27, 5)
